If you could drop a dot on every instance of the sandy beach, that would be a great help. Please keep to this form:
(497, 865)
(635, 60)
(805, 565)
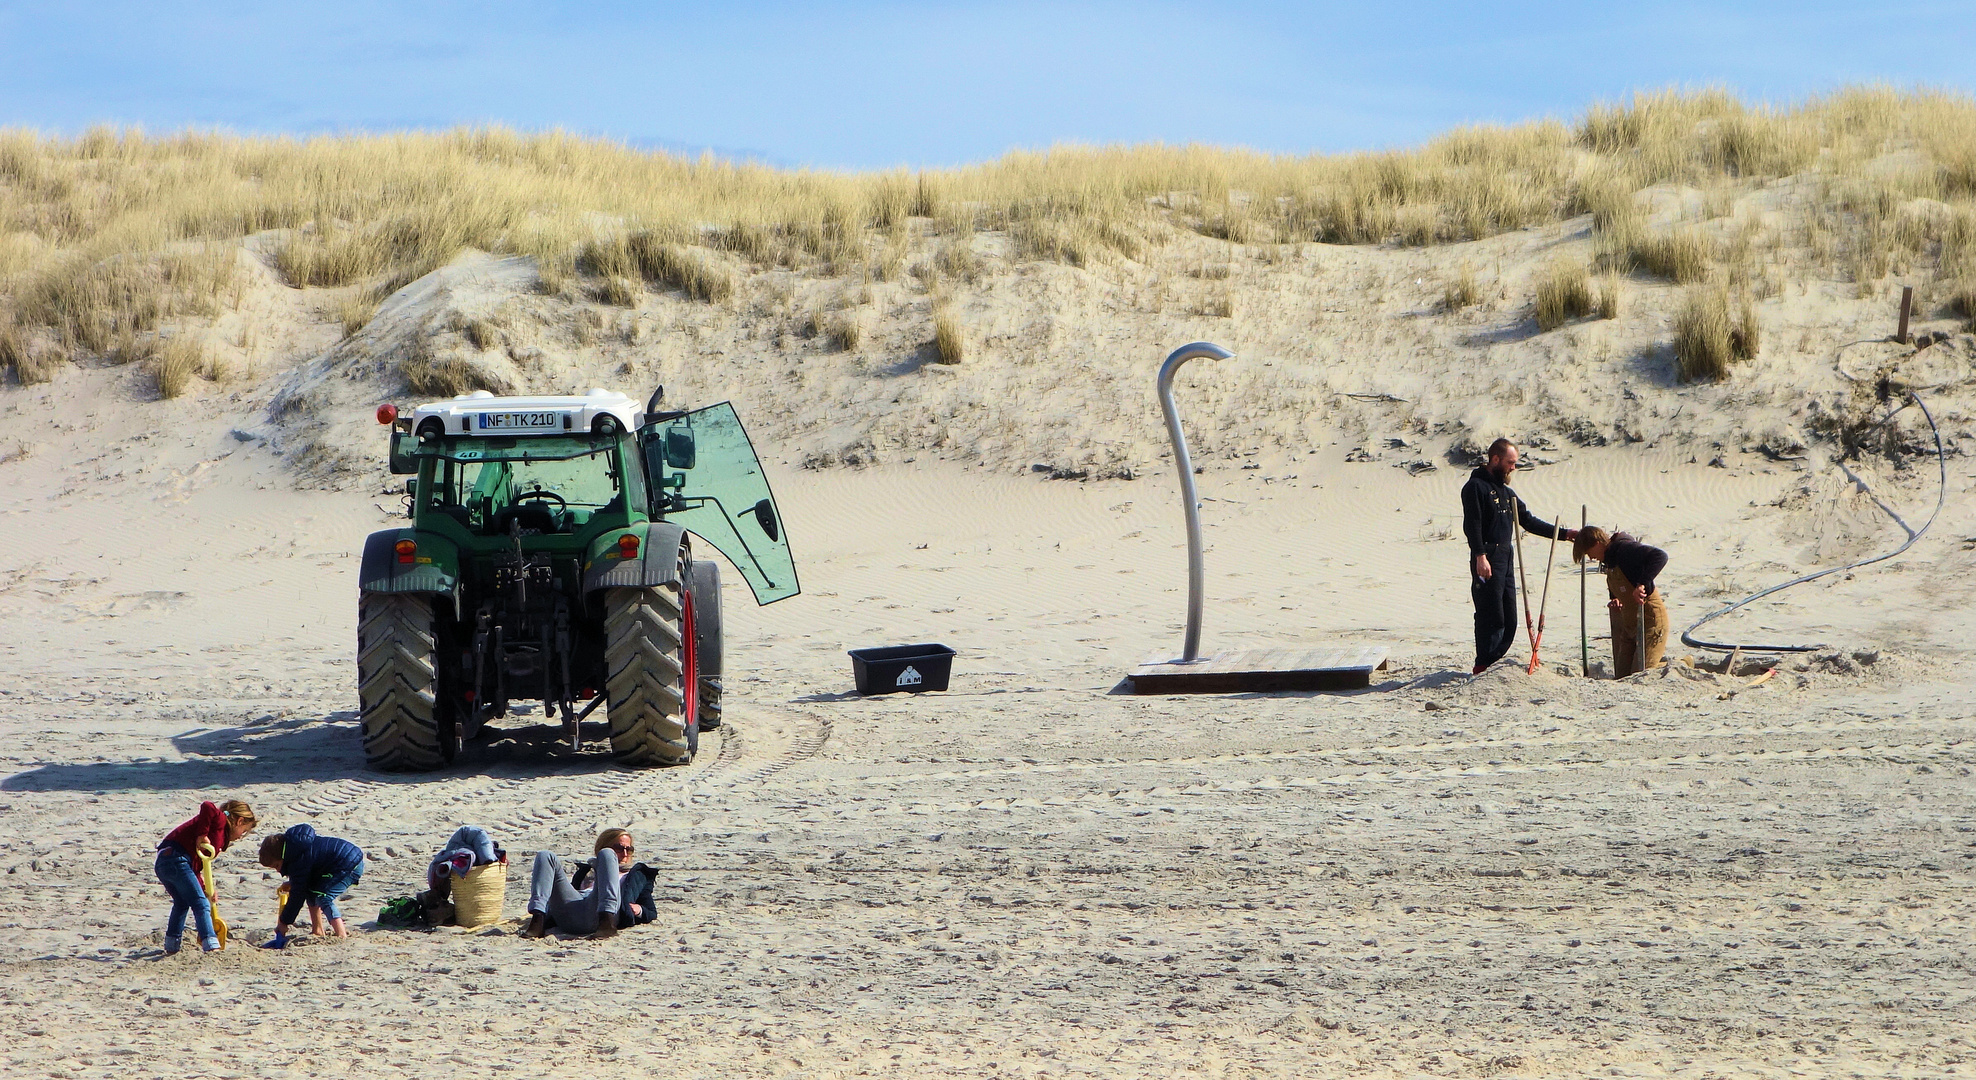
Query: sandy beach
(1033, 874)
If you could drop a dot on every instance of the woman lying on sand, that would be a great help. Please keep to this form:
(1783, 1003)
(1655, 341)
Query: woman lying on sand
(592, 911)
(212, 828)
(319, 869)
(1630, 569)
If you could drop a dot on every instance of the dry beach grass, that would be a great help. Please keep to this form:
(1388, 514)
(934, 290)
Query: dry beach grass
(107, 234)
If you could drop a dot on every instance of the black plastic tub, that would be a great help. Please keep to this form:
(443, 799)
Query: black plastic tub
(911, 669)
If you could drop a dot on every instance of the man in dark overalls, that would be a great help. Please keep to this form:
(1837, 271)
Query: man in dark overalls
(1490, 513)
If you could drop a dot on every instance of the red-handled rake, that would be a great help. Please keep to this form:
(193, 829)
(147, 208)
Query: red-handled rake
(1523, 590)
(1543, 606)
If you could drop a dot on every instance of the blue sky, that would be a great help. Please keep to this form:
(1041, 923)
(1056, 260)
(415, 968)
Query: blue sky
(931, 83)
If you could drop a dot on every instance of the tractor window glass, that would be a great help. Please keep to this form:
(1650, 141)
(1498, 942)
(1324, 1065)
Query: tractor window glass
(566, 489)
(703, 474)
(587, 481)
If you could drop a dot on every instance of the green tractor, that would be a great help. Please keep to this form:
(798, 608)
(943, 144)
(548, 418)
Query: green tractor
(550, 559)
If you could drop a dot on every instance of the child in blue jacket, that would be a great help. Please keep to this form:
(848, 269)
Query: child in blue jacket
(319, 869)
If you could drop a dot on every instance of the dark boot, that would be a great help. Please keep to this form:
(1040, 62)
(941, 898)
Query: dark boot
(538, 925)
(606, 926)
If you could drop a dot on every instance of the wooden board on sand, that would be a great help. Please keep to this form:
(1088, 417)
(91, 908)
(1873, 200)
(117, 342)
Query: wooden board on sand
(1335, 667)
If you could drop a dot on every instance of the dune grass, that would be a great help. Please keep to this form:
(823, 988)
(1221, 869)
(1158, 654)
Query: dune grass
(949, 341)
(17, 355)
(1708, 340)
(1608, 306)
(1961, 303)
(107, 236)
(448, 376)
(480, 333)
(660, 257)
(618, 291)
(1683, 256)
(1564, 293)
(1462, 291)
(844, 331)
(177, 361)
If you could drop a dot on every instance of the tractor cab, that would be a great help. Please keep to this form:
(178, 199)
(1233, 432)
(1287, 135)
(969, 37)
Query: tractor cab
(546, 467)
(536, 486)
(539, 466)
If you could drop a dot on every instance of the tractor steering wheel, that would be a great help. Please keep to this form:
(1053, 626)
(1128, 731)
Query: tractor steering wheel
(539, 495)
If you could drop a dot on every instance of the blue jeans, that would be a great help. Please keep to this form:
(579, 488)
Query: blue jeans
(336, 887)
(180, 877)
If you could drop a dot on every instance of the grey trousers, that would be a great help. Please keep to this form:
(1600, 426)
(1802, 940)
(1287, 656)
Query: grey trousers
(550, 893)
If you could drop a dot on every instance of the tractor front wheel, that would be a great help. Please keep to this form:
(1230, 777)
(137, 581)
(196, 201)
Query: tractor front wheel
(651, 679)
(397, 684)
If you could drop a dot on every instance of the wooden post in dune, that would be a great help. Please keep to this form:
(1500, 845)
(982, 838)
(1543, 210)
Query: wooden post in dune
(1907, 308)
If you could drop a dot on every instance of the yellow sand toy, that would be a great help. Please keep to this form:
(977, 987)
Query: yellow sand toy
(206, 856)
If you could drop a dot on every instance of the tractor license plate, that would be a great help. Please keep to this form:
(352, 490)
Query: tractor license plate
(520, 421)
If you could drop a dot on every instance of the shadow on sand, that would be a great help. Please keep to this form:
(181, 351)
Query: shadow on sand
(924, 354)
(321, 747)
(820, 698)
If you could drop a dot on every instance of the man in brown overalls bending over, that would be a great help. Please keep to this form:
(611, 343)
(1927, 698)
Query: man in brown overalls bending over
(1630, 569)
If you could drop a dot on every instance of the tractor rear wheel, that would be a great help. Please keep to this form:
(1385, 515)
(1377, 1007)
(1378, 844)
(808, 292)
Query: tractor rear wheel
(649, 672)
(397, 683)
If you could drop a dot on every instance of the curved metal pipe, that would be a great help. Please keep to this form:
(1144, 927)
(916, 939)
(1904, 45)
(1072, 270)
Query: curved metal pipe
(1191, 651)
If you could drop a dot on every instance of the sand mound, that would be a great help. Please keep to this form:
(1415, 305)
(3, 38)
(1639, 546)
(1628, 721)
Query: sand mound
(422, 335)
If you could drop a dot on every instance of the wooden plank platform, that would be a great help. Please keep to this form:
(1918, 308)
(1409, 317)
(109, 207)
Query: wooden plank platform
(1341, 667)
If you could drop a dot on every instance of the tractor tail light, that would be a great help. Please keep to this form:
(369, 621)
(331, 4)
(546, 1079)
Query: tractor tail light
(387, 413)
(406, 549)
(628, 546)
